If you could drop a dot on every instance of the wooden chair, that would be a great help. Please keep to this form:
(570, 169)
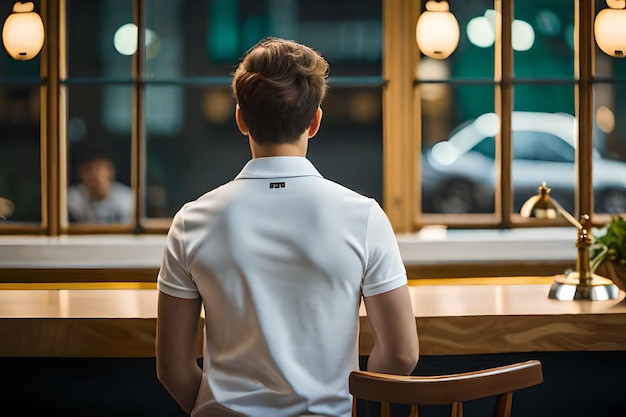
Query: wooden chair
(499, 382)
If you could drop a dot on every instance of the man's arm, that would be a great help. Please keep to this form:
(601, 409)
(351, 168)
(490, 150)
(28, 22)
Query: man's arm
(396, 347)
(176, 348)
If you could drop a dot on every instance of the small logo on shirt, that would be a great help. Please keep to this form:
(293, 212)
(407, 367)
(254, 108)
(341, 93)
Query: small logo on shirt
(277, 185)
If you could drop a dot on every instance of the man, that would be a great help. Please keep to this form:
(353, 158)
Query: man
(279, 258)
(98, 198)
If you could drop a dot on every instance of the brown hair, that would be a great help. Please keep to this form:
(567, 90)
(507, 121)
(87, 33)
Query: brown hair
(279, 85)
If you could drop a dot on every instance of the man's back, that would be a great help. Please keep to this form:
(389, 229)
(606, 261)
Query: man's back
(279, 257)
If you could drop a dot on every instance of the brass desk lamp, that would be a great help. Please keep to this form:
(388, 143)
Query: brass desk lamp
(581, 284)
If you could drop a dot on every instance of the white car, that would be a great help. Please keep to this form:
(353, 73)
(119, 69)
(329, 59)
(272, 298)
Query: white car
(458, 175)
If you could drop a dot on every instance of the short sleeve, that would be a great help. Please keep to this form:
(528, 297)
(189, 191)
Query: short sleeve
(174, 278)
(385, 270)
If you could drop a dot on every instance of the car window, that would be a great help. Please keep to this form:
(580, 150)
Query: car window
(486, 147)
(529, 145)
(541, 146)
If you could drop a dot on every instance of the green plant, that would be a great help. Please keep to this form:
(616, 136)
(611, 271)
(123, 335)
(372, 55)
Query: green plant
(610, 243)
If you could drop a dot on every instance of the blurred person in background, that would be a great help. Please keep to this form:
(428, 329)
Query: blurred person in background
(98, 197)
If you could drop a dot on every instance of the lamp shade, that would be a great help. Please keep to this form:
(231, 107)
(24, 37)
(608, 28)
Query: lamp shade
(23, 32)
(540, 205)
(437, 31)
(610, 30)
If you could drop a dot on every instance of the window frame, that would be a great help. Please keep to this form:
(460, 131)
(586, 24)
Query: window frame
(504, 83)
(401, 125)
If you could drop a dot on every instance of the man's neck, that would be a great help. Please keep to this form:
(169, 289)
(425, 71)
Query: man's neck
(298, 148)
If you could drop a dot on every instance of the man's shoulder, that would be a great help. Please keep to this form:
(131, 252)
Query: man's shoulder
(121, 188)
(76, 192)
(342, 191)
(217, 194)
(121, 193)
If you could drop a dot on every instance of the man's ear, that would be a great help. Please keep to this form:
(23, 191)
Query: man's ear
(240, 123)
(315, 123)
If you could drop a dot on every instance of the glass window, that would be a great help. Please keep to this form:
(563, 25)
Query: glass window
(543, 39)
(543, 138)
(208, 38)
(540, 156)
(461, 173)
(453, 93)
(20, 155)
(99, 163)
(191, 141)
(609, 165)
(486, 147)
(191, 148)
(349, 146)
(458, 147)
(182, 140)
(20, 131)
(474, 56)
(541, 146)
(101, 39)
(208, 149)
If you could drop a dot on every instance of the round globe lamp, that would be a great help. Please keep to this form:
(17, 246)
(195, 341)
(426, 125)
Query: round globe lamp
(610, 29)
(23, 32)
(437, 31)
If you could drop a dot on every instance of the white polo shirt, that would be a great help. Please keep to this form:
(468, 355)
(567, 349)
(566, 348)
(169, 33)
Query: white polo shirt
(280, 257)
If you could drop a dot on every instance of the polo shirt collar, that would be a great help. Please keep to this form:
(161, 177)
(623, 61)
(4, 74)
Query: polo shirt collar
(278, 167)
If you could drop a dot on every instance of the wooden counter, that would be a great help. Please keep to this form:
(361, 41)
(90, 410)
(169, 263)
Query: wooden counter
(78, 322)
(478, 319)
(480, 316)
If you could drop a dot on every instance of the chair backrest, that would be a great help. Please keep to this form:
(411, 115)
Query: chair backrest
(499, 382)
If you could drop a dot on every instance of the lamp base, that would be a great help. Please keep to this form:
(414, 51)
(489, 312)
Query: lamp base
(569, 287)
